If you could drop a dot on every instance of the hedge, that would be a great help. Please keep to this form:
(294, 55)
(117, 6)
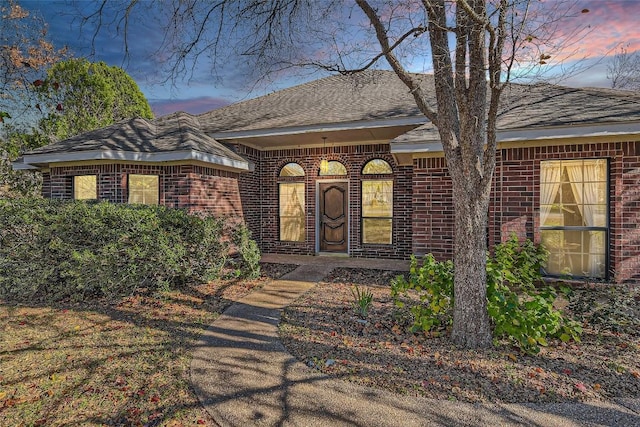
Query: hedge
(54, 250)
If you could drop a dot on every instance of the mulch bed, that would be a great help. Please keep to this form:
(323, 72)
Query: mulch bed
(322, 330)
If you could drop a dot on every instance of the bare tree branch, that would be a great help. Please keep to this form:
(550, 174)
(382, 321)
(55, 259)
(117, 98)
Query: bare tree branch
(624, 70)
(414, 86)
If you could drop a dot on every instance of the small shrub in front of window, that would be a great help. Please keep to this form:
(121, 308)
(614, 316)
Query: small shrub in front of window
(248, 252)
(522, 313)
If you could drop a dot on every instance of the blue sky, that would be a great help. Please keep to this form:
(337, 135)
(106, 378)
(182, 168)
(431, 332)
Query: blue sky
(610, 23)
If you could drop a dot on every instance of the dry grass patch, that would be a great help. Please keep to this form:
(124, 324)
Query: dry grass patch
(112, 363)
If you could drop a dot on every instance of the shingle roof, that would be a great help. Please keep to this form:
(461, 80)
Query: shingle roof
(335, 99)
(546, 106)
(378, 94)
(178, 132)
(364, 98)
(524, 106)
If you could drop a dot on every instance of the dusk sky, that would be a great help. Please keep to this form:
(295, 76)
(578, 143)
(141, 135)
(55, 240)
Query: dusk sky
(611, 24)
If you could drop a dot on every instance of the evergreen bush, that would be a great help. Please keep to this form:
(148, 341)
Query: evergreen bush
(53, 250)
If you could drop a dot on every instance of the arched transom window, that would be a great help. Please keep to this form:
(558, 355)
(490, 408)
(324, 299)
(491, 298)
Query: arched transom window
(377, 167)
(292, 169)
(332, 168)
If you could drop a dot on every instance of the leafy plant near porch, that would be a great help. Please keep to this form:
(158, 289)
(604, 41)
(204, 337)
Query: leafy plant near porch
(521, 312)
(248, 252)
(362, 300)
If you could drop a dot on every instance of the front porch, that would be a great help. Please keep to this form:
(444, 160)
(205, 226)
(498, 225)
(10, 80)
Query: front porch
(337, 261)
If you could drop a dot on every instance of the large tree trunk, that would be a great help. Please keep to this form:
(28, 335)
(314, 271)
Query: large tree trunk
(466, 125)
(471, 327)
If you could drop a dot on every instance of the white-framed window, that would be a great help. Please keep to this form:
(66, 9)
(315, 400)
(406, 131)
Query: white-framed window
(574, 222)
(144, 189)
(85, 187)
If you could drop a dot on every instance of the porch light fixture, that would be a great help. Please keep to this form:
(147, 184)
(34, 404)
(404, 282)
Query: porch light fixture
(324, 163)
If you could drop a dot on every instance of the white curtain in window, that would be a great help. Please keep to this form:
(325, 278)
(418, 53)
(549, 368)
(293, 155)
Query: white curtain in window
(586, 179)
(550, 184)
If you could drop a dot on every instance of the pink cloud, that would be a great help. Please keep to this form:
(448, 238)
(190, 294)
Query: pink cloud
(610, 24)
(197, 105)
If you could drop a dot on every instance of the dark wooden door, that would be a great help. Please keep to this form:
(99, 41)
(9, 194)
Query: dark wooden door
(334, 224)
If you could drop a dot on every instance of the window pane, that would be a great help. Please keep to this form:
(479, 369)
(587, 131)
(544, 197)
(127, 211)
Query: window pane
(333, 168)
(292, 227)
(144, 189)
(573, 193)
(377, 198)
(575, 253)
(599, 215)
(547, 170)
(292, 169)
(554, 217)
(85, 187)
(377, 166)
(376, 231)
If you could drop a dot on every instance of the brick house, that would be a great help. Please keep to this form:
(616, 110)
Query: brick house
(348, 165)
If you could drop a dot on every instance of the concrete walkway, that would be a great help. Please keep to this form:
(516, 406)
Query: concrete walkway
(244, 376)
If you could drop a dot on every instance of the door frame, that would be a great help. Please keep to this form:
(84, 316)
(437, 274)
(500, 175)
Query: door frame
(317, 213)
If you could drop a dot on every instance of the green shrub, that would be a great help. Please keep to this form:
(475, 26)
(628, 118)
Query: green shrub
(433, 284)
(521, 311)
(53, 250)
(248, 252)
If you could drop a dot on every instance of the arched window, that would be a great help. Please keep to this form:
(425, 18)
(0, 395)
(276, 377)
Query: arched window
(377, 167)
(292, 169)
(332, 168)
(292, 203)
(377, 204)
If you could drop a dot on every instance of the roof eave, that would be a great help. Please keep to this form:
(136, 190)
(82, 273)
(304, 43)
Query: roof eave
(221, 162)
(324, 127)
(20, 165)
(528, 135)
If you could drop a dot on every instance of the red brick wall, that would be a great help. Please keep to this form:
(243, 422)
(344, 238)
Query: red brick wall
(250, 195)
(514, 205)
(191, 187)
(214, 191)
(625, 219)
(354, 158)
(46, 184)
(432, 215)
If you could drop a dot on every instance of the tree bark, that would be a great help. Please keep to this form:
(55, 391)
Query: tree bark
(471, 327)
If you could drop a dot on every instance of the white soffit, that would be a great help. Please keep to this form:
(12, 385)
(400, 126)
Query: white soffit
(328, 127)
(165, 156)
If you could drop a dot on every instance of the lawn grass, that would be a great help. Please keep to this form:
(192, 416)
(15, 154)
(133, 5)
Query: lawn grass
(122, 362)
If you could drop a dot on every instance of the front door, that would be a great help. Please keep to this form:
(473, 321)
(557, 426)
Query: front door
(334, 224)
